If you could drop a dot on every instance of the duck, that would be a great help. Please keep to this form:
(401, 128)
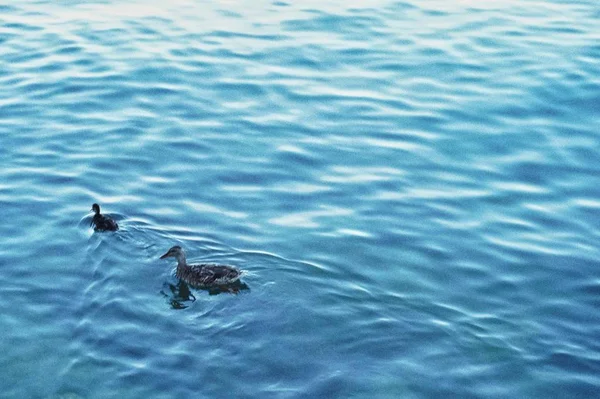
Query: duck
(102, 222)
(202, 275)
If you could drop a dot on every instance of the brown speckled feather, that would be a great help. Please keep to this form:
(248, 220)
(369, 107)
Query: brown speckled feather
(208, 274)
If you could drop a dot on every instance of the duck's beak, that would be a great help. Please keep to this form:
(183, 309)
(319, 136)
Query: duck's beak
(166, 255)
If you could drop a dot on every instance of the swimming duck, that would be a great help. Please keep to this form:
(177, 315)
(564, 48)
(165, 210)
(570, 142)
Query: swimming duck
(203, 275)
(102, 222)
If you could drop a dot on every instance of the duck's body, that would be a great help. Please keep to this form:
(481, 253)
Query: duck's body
(203, 275)
(207, 275)
(102, 222)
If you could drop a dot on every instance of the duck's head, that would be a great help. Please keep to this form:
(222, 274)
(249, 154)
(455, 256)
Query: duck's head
(96, 208)
(175, 252)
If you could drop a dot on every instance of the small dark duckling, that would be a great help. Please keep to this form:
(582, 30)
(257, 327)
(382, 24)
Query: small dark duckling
(102, 222)
(203, 275)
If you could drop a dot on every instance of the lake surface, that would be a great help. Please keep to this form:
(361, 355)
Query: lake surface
(412, 189)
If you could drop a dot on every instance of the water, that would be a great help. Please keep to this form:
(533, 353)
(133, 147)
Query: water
(412, 189)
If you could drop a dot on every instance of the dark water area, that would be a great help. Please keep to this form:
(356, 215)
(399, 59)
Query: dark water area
(411, 188)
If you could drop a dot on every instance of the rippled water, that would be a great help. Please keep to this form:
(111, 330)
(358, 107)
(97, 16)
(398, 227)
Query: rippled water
(412, 189)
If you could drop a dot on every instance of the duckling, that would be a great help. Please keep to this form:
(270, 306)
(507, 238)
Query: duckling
(102, 222)
(203, 275)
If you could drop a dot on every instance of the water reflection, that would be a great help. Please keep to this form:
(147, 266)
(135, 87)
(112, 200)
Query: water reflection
(234, 288)
(179, 295)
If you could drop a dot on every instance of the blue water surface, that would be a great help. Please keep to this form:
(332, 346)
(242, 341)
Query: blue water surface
(412, 189)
